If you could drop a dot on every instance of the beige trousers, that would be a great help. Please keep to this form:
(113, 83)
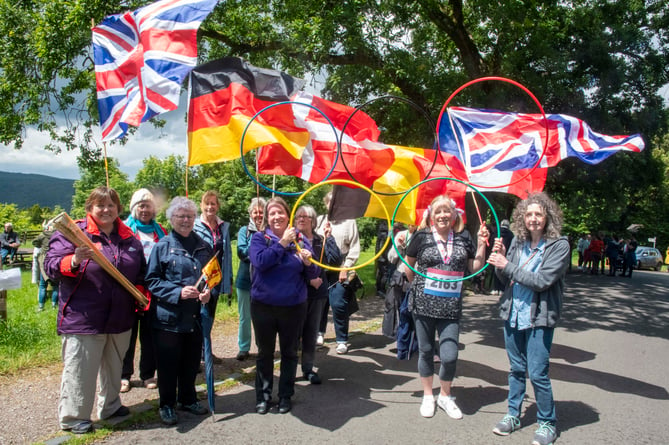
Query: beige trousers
(85, 358)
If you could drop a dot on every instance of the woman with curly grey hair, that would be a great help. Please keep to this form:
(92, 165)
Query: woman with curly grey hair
(533, 273)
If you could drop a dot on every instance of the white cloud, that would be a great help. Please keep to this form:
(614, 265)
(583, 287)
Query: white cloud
(147, 141)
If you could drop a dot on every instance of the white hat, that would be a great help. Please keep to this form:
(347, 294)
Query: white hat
(139, 196)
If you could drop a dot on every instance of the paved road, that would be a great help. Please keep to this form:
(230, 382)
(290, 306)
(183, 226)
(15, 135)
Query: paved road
(609, 371)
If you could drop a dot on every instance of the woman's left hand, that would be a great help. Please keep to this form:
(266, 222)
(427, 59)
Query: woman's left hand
(305, 255)
(204, 296)
(498, 260)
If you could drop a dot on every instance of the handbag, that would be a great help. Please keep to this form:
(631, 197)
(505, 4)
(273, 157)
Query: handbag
(352, 284)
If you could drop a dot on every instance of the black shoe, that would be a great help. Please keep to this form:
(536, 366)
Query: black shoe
(312, 378)
(262, 407)
(194, 408)
(82, 427)
(242, 355)
(285, 405)
(121, 412)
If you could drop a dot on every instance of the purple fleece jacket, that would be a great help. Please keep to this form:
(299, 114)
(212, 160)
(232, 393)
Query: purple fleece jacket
(90, 300)
(278, 276)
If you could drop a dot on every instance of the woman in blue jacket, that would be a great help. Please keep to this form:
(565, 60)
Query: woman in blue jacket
(175, 265)
(278, 300)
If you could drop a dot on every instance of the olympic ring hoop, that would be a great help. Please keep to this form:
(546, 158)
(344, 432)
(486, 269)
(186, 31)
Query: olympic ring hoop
(528, 92)
(447, 179)
(291, 103)
(416, 107)
(342, 182)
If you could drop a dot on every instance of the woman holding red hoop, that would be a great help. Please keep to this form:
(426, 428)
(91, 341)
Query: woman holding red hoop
(442, 250)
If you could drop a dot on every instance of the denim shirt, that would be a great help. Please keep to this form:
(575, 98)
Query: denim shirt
(530, 259)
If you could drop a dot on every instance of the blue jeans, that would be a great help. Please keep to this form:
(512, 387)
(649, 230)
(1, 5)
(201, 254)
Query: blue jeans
(42, 290)
(244, 309)
(529, 352)
(340, 317)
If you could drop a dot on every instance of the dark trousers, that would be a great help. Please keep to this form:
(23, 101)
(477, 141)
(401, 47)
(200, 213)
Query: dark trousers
(310, 332)
(268, 322)
(178, 360)
(147, 358)
(340, 316)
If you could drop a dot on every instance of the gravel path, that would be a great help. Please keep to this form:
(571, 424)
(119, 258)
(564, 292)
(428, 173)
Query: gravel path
(29, 399)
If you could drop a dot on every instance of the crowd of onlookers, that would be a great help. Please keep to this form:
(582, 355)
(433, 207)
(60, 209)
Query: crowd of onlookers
(596, 251)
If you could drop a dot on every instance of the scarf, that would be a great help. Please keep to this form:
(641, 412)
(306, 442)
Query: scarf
(153, 227)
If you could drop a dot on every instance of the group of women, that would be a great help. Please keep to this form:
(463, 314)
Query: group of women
(281, 293)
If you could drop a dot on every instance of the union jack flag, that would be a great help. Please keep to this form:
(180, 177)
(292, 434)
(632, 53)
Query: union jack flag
(141, 58)
(498, 148)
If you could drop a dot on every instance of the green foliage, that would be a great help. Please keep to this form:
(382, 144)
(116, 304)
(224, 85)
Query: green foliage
(28, 338)
(92, 176)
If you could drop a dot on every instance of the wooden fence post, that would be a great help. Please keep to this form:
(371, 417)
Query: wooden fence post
(3, 305)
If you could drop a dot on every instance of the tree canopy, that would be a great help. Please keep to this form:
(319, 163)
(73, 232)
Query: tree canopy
(603, 61)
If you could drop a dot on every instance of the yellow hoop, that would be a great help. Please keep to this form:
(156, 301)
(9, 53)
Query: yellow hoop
(371, 192)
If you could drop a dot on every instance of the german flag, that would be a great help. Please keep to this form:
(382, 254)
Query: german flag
(224, 95)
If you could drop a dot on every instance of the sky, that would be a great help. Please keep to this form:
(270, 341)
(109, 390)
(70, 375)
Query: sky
(147, 141)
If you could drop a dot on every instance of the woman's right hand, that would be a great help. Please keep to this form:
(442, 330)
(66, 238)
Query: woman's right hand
(81, 253)
(189, 292)
(498, 246)
(288, 237)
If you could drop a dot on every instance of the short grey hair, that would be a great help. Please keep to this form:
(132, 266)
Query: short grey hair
(257, 202)
(310, 212)
(180, 203)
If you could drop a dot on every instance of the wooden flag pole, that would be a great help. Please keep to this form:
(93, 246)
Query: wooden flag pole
(64, 224)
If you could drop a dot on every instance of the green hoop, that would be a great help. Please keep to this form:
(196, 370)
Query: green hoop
(395, 214)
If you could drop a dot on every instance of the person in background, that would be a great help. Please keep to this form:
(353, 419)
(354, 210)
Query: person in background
(46, 286)
(317, 289)
(596, 248)
(583, 243)
(9, 244)
(243, 280)
(346, 235)
(278, 301)
(533, 270)
(399, 284)
(441, 249)
(612, 251)
(148, 231)
(629, 257)
(96, 313)
(382, 266)
(175, 266)
(216, 232)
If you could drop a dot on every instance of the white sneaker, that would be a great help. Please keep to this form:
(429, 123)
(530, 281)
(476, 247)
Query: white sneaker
(427, 406)
(447, 403)
(319, 339)
(342, 348)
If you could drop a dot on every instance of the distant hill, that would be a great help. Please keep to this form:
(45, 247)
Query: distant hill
(26, 190)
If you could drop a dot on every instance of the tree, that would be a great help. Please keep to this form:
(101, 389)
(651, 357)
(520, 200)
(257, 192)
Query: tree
(601, 60)
(92, 176)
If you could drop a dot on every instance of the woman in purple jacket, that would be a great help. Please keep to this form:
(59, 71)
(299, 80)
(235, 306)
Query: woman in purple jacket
(95, 313)
(279, 276)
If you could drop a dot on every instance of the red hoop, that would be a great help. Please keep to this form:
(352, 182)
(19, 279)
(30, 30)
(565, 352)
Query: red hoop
(529, 93)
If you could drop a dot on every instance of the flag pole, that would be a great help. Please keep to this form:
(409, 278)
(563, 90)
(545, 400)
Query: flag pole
(104, 147)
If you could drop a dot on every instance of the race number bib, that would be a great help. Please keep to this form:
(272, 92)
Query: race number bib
(450, 289)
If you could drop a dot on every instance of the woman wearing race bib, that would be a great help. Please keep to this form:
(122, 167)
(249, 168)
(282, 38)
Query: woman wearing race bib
(442, 250)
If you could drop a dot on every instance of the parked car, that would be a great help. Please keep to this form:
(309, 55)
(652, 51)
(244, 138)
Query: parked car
(648, 258)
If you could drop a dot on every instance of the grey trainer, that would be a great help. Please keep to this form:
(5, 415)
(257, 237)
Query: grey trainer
(507, 425)
(545, 434)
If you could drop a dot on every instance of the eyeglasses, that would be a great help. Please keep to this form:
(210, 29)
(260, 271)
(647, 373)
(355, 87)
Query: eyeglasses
(184, 216)
(302, 217)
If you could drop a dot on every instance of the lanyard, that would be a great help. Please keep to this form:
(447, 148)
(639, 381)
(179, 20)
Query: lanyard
(448, 250)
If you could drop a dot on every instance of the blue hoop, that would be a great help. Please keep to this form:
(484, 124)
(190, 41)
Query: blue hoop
(442, 178)
(291, 103)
